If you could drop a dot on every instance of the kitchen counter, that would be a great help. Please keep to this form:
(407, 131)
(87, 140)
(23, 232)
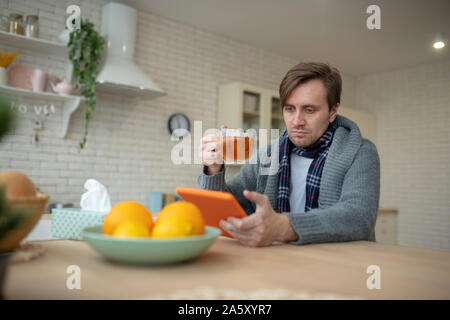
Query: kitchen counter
(331, 270)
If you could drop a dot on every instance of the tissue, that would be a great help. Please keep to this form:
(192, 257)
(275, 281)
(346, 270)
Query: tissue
(68, 223)
(96, 197)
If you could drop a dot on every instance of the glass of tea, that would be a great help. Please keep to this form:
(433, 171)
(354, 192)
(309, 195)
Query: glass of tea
(235, 144)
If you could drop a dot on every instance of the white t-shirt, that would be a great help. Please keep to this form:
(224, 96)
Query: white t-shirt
(297, 186)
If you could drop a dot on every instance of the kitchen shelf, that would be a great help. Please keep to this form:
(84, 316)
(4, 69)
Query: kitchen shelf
(70, 103)
(33, 44)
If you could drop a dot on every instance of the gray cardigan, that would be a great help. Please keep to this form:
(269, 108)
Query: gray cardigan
(349, 188)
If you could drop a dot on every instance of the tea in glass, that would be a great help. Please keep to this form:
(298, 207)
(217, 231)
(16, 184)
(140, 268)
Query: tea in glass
(236, 145)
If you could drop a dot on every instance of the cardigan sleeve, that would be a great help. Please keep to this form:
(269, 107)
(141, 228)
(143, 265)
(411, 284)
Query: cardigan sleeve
(353, 217)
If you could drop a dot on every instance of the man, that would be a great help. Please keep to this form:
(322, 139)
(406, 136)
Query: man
(327, 186)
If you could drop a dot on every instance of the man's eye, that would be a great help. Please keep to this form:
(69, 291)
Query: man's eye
(309, 110)
(288, 108)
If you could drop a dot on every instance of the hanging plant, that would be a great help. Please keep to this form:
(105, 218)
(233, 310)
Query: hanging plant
(85, 53)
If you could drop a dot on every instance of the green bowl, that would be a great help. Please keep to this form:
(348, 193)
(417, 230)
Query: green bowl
(148, 251)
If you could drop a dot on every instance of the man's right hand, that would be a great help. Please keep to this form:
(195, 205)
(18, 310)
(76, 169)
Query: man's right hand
(210, 153)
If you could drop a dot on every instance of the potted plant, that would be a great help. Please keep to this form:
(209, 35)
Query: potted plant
(9, 218)
(85, 52)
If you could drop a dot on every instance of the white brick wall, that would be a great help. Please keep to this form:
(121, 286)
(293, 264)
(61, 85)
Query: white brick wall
(412, 109)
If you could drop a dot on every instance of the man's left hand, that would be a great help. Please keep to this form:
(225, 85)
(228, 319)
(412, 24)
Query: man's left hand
(261, 228)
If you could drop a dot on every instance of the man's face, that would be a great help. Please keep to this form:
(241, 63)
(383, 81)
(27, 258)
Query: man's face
(306, 113)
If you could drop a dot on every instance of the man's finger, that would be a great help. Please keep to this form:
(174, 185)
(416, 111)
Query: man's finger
(228, 227)
(208, 139)
(246, 223)
(258, 198)
(210, 136)
(212, 145)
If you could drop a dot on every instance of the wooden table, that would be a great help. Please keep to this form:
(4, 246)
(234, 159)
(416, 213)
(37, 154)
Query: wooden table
(332, 270)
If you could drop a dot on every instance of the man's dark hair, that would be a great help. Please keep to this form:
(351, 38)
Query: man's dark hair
(305, 71)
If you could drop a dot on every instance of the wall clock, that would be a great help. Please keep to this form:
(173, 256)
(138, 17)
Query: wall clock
(179, 121)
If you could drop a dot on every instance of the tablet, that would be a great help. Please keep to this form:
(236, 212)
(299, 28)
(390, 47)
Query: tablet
(214, 205)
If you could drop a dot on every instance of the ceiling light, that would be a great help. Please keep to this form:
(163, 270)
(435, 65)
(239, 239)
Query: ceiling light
(438, 41)
(438, 44)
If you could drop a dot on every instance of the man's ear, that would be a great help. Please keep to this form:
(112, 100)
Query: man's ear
(333, 112)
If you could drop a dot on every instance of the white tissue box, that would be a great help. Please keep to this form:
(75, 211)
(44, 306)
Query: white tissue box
(68, 223)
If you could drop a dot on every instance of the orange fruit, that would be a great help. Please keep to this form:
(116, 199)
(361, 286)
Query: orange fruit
(126, 211)
(17, 185)
(187, 210)
(172, 227)
(131, 229)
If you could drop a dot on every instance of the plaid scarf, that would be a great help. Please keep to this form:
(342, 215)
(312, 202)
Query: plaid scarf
(318, 152)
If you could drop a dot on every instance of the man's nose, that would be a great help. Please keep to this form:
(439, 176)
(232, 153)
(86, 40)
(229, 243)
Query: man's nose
(299, 119)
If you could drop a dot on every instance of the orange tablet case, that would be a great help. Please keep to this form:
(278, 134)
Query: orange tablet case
(214, 205)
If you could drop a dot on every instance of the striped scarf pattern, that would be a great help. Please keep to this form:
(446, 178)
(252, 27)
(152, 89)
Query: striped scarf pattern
(318, 152)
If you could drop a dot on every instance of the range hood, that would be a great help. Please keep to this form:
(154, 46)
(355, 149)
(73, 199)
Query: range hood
(120, 74)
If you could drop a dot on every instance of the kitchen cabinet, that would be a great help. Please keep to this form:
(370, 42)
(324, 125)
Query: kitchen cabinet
(69, 103)
(245, 106)
(386, 226)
